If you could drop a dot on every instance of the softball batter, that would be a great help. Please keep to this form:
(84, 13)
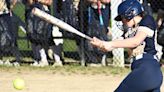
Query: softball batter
(140, 37)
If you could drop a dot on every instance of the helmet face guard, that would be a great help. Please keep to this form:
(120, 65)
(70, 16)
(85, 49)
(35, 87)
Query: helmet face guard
(123, 27)
(129, 9)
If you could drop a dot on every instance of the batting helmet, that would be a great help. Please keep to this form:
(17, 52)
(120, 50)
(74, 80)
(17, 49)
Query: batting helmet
(128, 9)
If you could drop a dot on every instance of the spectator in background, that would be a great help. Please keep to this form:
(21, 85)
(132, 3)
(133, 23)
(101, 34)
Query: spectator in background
(96, 15)
(64, 10)
(160, 18)
(56, 41)
(56, 47)
(7, 32)
(38, 31)
(160, 25)
(147, 7)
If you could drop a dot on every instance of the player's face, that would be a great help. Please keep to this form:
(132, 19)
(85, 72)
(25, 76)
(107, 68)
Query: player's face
(127, 22)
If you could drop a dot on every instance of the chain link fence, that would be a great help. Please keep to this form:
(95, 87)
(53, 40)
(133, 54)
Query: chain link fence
(72, 44)
(75, 49)
(69, 45)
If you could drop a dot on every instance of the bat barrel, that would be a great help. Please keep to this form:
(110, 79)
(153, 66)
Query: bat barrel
(55, 21)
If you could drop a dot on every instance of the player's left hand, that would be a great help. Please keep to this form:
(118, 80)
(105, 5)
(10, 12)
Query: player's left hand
(104, 46)
(96, 42)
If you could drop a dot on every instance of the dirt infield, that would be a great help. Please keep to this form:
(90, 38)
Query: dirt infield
(37, 81)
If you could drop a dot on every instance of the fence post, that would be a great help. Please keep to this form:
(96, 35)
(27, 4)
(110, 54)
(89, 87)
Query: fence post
(118, 54)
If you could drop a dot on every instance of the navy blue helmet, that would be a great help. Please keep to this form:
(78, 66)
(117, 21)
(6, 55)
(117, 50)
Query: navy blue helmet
(128, 9)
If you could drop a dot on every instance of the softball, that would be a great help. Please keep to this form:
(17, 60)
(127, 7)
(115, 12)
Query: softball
(18, 84)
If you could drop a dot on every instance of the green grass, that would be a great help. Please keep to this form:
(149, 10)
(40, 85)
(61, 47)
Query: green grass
(69, 45)
(72, 69)
(69, 70)
(23, 45)
(19, 10)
